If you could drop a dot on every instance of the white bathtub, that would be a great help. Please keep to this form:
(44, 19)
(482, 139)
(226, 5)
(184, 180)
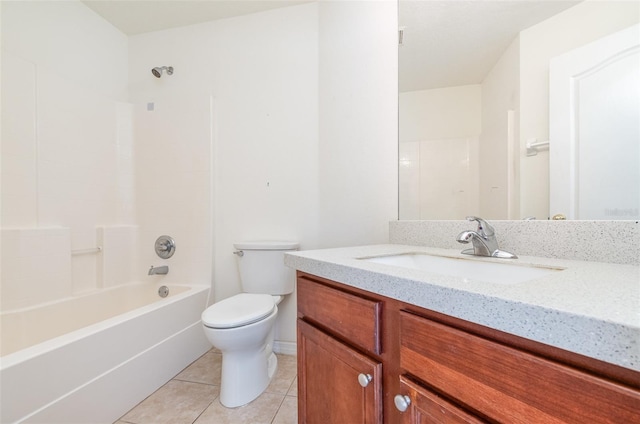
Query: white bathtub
(90, 359)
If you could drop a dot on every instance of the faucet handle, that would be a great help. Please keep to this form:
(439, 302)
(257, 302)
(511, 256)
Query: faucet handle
(484, 229)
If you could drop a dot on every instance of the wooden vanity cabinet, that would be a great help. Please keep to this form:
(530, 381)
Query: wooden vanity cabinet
(338, 382)
(423, 367)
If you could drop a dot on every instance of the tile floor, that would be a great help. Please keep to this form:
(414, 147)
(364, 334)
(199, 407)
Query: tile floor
(192, 398)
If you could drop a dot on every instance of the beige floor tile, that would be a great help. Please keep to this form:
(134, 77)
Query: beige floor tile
(260, 411)
(286, 373)
(205, 369)
(293, 390)
(288, 412)
(176, 402)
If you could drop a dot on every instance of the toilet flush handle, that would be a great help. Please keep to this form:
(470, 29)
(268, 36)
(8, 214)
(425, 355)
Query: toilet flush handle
(240, 253)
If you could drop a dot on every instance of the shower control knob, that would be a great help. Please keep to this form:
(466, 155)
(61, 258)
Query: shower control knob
(402, 402)
(165, 246)
(364, 379)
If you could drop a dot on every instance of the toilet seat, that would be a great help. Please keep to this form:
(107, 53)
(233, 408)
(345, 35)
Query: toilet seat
(236, 311)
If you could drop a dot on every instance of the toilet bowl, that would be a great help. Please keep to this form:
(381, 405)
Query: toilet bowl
(242, 326)
(248, 361)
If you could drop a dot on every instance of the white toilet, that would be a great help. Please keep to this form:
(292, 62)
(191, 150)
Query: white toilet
(242, 326)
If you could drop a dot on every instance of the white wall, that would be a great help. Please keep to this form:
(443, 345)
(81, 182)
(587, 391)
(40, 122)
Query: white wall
(441, 113)
(64, 73)
(573, 28)
(498, 163)
(358, 107)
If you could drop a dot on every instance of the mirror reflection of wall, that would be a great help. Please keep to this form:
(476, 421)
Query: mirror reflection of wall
(474, 90)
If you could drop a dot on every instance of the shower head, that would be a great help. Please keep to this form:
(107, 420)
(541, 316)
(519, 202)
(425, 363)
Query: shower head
(157, 71)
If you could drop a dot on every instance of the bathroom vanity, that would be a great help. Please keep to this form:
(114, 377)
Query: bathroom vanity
(380, 343)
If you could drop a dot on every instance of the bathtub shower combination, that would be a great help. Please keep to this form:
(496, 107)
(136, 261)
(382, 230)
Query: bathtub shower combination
(92, 358)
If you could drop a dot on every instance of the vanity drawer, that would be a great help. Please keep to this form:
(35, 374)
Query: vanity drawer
(348, 315)
(508, 384)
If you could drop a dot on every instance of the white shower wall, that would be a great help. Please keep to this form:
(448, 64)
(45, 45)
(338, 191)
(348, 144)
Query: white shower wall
(440, 178)
(173, 163)
(64, 78)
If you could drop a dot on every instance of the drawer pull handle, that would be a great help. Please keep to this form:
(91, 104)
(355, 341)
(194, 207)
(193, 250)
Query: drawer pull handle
(364, 379)
(402, 402)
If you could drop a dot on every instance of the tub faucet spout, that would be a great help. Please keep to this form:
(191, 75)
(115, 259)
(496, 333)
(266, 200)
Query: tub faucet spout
(483, 240)
(164, 269)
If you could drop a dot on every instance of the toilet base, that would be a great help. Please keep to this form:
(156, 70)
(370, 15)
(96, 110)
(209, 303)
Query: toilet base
(248, 361)
(246, 376)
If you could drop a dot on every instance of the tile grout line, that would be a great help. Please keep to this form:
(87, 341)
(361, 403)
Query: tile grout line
(203, 411)
(278, 410)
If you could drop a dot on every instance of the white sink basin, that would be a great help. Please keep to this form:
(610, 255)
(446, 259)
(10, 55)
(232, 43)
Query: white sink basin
(469, 269)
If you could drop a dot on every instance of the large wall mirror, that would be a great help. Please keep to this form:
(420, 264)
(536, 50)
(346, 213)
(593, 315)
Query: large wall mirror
(519, 109)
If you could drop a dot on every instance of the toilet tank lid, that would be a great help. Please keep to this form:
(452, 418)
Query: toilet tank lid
(267, 245)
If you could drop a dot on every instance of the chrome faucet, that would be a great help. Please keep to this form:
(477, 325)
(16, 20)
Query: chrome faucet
(164, 269)
(483, 240)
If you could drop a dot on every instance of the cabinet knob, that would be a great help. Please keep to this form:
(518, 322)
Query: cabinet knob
(402, 402)
(364, 379)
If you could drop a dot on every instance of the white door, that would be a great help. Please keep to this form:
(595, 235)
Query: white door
(594, 126)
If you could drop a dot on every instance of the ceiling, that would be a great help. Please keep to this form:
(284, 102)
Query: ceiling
(450, 43)
(140, 16)
(446, 43)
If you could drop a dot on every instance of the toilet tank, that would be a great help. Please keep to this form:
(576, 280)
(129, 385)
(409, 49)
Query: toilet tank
(262, 268)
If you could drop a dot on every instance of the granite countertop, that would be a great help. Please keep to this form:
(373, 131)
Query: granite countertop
(591, 308)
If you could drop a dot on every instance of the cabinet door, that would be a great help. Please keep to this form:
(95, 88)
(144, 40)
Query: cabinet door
(336, 383)
(425, 407)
